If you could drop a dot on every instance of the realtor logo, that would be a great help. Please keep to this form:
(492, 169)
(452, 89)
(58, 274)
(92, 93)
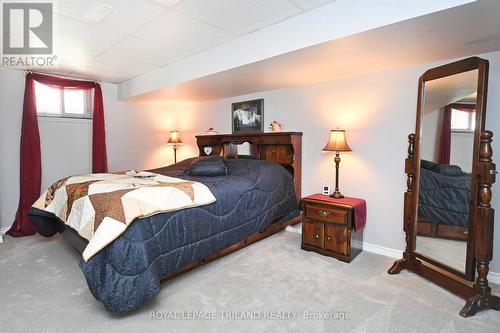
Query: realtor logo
(27, 28)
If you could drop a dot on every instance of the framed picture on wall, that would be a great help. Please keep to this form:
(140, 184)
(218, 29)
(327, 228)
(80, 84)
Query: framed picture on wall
(248, 116)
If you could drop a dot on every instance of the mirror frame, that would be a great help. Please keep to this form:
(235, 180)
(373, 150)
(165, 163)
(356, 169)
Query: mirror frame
(480, 238)
(455, 68)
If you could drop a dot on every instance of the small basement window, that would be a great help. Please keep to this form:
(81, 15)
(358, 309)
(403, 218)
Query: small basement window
(463, 121)
(64, 103)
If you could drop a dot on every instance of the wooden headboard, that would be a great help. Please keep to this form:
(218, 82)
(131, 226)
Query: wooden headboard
(284, 148)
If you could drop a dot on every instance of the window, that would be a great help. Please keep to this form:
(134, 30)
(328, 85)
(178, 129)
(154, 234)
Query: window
(463, 121)
(67, 103)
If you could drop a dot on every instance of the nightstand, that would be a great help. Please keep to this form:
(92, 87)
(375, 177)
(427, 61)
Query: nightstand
(328, 226)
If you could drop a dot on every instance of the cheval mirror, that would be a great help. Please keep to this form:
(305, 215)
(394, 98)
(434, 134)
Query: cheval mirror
(448, 219)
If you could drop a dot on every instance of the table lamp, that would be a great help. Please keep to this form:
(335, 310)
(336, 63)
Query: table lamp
(174, 140)
(337, 143)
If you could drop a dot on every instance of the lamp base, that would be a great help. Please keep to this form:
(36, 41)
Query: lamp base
(337, 195)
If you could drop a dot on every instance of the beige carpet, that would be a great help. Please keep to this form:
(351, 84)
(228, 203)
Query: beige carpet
(451, 252)
(43, 290)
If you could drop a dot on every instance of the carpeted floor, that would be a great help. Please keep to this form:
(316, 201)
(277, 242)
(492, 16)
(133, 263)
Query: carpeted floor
(43, 290)
(451, 252)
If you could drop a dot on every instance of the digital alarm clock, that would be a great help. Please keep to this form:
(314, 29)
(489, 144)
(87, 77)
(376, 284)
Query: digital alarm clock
(327, 190)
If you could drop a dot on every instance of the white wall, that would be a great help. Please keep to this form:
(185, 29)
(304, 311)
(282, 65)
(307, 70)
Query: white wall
(431, 122)
(11, 99)
(462, 145)
(134, 135)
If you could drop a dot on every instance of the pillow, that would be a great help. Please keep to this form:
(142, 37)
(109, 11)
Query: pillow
(448, 170)
(209, 166)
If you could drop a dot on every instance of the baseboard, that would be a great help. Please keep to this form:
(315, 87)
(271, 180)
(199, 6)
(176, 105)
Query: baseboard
(296, 229)
(382, 250)
(2, 233)
(494, 277)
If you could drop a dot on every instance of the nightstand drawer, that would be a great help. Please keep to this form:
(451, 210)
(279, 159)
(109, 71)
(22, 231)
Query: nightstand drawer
(326, 214)
(336, 239)
(312, 233)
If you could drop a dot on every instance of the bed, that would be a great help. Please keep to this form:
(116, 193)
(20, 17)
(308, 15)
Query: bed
(444, 200)
(257, 198)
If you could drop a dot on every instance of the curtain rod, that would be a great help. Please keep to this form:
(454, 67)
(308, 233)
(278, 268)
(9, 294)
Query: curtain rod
(26, 72)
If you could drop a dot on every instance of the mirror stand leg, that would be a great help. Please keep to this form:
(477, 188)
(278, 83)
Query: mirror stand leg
(398, 266)
(479, 302)
(483, 299)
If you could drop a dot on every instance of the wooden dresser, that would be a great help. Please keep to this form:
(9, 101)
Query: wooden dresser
(328, 229)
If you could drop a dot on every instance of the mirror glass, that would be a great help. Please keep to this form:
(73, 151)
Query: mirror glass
(448, 124)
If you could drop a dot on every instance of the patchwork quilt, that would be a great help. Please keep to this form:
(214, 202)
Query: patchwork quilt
(127, 272)
(100, 207)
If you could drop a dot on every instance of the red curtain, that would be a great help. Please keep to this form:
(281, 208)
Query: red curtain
(30, 159)
(445, 134)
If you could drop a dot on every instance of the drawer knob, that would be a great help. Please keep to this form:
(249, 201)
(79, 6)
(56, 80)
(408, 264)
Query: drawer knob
(329, 238)
(465, 232)
(324, 213)
(316, 236)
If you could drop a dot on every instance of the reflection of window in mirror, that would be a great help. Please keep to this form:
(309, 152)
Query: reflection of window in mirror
(463, 121)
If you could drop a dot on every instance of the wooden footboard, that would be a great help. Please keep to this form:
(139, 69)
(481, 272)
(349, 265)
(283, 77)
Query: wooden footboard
(432, 229)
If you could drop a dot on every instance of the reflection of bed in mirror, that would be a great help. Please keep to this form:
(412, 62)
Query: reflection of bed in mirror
(448, 123)
(447, 141)
(443, 203)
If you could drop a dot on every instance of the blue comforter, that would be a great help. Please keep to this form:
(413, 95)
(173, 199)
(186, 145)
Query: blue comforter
(127, 272)
(444, 199)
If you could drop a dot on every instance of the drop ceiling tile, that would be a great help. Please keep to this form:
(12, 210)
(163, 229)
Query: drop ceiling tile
(136, 49)
(79, 57)
(310, 4)
(125, 16)
(182, 32)
(66, 67)
(90, 73)
(106, 62)
(75, 34)
(130, 15)
(238, 16)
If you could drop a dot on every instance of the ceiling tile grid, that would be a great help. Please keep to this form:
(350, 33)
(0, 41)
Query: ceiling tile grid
(115, 40)
(182, 32)
(238, 16)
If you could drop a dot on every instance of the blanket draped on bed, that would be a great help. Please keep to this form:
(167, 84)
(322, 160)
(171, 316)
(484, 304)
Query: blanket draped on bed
(100, 207)
(126, 273)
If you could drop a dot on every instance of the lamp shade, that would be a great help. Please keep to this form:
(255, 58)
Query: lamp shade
(337, 141)
(174, 138)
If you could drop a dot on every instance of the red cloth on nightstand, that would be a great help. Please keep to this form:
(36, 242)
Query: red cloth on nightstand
(359, 206)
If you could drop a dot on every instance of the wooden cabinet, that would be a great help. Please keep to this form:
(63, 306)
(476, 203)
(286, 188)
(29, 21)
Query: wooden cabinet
(313, 232)
(328, 229)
